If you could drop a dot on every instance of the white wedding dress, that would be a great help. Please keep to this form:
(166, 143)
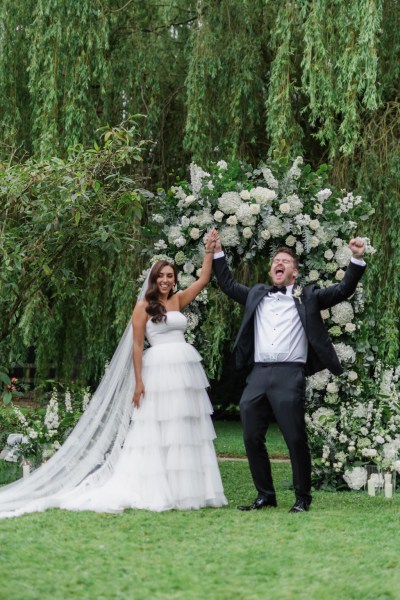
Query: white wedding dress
(167, 458)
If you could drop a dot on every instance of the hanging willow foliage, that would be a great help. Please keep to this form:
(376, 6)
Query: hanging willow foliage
(223, 79)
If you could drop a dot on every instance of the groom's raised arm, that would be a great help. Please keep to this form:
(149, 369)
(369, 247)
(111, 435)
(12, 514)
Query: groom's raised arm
(226, 282)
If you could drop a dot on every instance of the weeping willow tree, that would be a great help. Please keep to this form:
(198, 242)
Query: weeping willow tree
(220, 79)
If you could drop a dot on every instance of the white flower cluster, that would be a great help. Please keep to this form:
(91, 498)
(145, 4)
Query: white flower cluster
(342, 313)
(68, 401)
(51, 419)
(347, 203)
(196, 177)
(355, 478)
(86, 399)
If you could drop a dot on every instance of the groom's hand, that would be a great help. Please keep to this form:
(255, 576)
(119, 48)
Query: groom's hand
(218, 245)
(357, 247)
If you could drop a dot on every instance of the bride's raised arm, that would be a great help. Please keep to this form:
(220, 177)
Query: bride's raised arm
(186, 296)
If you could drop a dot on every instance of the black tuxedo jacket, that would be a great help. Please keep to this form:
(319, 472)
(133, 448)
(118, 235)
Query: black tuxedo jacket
(321, 353)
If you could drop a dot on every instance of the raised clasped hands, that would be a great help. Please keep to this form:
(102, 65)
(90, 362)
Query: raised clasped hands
(357, 247)
(213, 241)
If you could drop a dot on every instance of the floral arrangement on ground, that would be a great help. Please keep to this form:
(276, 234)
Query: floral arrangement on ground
(353, 420)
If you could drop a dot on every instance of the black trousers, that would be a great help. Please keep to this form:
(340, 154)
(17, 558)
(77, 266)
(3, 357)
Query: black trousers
(277, 389)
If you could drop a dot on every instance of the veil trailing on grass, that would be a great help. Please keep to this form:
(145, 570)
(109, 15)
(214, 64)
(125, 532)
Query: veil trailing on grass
(91, 451)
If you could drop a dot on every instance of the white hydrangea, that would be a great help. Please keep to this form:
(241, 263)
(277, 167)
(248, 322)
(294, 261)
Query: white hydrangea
(180, 241)
(180, 258)
(229, 202)
(269, 178)
(360, 411)
(185, 221)
(185, 280)
(345, 353)
(229, 236)
(323, 417)
(299, 248)
(244, 214)
(325, 314)
(223, 165)
(319, 380)
(369, 249)
(174, 232)
(275, 226)
(355, 478)
(342, 256)
(188, 267)
(342, 313)
(263, 195)
(332, 388)
(202, 218)
(295, 203)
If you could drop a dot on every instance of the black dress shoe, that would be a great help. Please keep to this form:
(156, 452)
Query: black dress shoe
(299, 506)
(260, 503)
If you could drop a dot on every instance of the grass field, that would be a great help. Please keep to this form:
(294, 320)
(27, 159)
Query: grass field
(346, 547)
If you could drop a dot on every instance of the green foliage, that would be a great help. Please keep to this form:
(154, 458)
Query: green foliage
(69, 241)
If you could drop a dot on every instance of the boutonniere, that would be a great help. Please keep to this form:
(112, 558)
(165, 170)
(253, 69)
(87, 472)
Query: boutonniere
(297, 292)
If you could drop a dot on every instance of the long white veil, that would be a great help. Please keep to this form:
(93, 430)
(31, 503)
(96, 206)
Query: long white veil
(91, 450)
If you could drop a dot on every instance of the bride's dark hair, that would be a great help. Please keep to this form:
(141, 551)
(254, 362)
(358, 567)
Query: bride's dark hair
(155, 307)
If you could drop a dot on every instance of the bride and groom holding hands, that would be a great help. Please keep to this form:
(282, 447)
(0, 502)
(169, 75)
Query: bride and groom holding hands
(166, 458)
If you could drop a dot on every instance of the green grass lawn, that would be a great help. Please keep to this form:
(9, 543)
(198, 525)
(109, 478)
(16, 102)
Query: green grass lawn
(346, 547)
(229, 440)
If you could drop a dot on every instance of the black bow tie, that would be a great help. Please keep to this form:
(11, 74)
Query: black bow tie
(276, 289)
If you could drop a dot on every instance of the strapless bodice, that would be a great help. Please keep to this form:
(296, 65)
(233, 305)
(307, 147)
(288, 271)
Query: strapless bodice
(170, 331)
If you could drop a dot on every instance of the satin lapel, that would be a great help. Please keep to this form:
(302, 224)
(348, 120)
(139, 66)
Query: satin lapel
(299, 302)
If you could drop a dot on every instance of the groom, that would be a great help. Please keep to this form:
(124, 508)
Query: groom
(283, 338)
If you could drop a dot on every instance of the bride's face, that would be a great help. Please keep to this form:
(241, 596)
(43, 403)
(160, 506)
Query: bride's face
(165, 280)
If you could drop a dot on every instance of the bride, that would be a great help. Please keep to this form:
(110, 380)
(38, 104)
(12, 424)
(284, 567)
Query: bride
(158, 455)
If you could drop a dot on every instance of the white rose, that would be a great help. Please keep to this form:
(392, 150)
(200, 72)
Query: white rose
(328, 254)
(290, 241)
(325, 314)
(313, 275)
(265, 234)
(284, 208)
(318, 209)
(232, 220)
(245, 195)
(218, 216)
(247, 232)
(350, 328)
(195, 233)
(339, 274)
(352, 376)
(314, 224)
(314, 241)
(332, 388)
(255, 209)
